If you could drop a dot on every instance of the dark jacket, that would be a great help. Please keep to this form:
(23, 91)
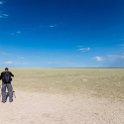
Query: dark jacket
(3, 73)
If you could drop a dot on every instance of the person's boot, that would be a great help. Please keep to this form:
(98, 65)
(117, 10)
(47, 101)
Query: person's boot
(3, 101)
(11, 101)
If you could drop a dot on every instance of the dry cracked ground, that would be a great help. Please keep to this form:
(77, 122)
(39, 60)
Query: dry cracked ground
(46, 108)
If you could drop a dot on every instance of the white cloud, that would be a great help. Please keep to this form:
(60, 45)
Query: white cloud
(111, 60)
(53, 26)
(15, 63)
(20, 63)
(84, 49)
(18, 32)
(5, 15)
(2, 13)
(1, 2)
(8, 62)
(115, 59)
(47, 26)
(98, 58)
(9, 58)
(15, 33)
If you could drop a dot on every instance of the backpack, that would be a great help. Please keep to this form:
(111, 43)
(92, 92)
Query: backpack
(6, 77)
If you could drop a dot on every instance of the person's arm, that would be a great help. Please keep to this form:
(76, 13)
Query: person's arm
(11, 74)
(1, 76)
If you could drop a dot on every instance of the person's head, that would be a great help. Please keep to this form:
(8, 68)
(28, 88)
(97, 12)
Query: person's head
(6, 69)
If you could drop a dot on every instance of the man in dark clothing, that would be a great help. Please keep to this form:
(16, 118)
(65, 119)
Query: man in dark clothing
(6, 77)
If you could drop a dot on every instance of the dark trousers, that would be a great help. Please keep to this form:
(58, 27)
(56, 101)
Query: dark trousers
(4, 93)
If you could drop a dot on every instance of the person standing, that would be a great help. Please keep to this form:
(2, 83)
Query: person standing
(6, 77)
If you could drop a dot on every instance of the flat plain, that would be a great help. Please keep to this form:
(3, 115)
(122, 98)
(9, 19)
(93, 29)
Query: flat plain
(66, 96)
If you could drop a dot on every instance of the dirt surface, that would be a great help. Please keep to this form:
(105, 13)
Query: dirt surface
(43, 108)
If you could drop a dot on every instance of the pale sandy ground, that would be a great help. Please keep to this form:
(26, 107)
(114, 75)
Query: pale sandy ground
(43, 108)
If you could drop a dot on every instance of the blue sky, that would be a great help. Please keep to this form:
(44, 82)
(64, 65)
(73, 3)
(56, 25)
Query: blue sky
(62, 33)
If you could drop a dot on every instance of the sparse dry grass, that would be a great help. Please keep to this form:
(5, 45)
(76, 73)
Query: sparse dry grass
(61, 96)
(98, 82)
